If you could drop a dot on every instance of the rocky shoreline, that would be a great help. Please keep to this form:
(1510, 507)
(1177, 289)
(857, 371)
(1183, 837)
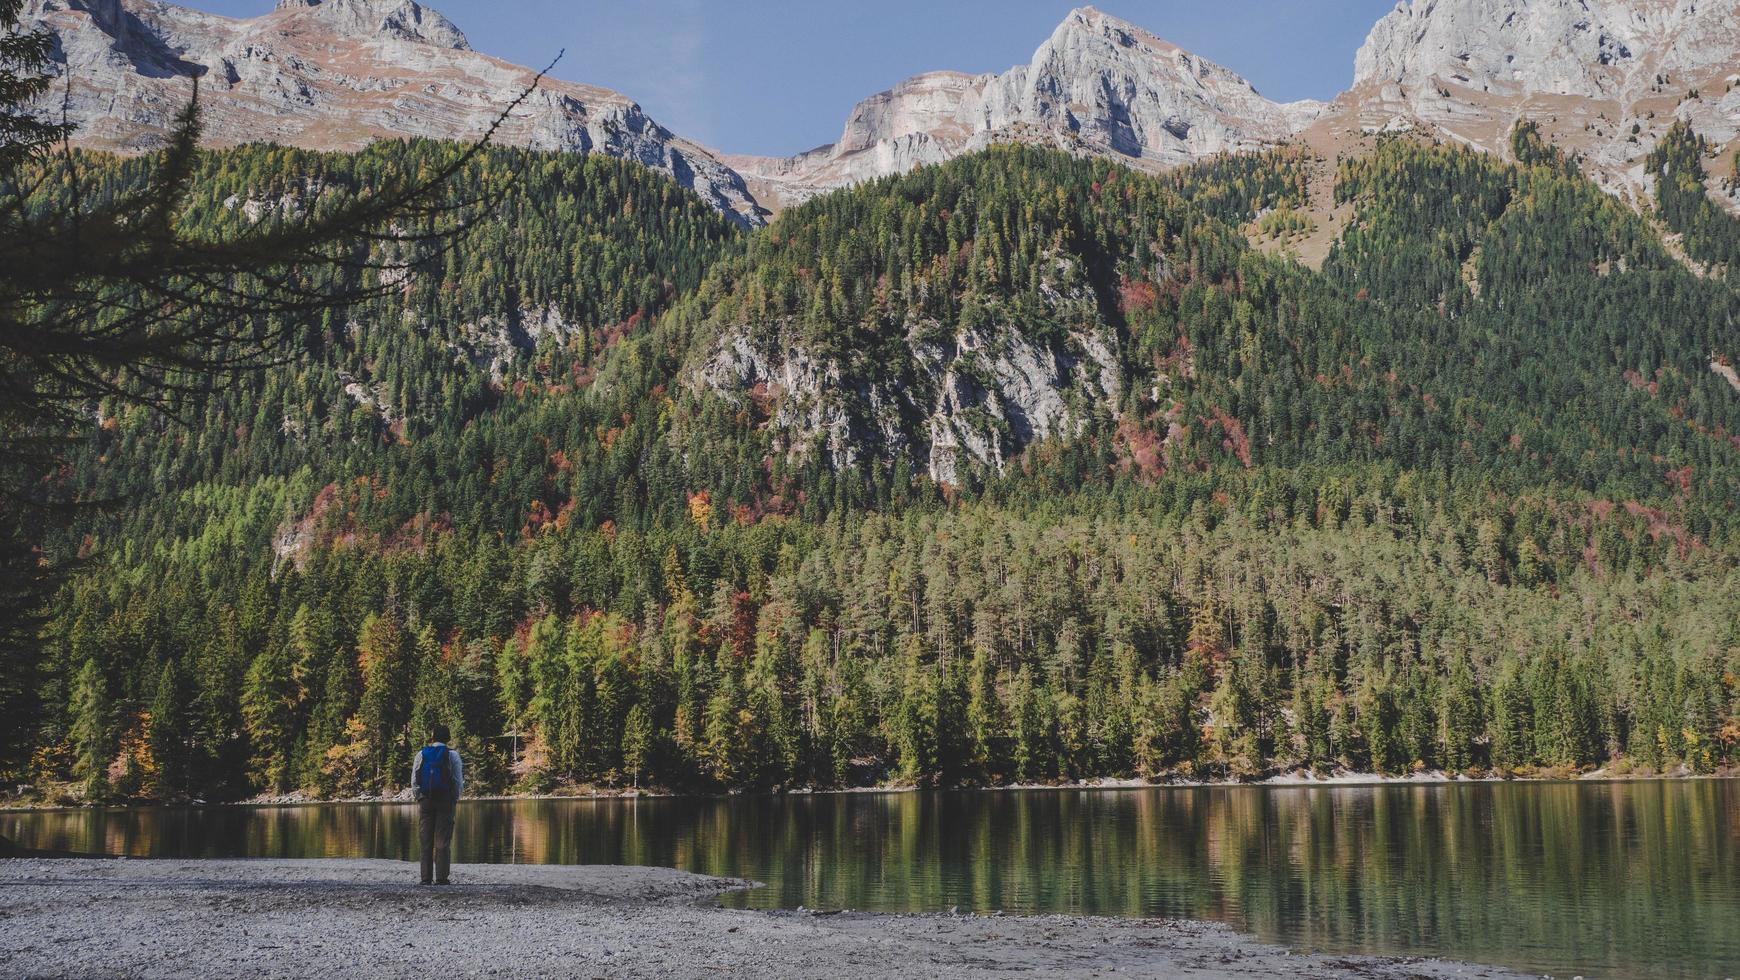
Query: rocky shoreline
(1285, 780)
(309, 918)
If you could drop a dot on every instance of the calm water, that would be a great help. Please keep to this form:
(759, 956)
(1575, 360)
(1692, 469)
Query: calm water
(1608, 879)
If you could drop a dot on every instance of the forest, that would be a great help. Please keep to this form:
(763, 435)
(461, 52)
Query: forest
(1463, 500)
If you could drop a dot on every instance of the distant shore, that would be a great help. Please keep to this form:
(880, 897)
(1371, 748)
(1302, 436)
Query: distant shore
(1289, 780)
(317, 918)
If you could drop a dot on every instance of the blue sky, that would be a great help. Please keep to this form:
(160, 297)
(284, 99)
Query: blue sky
(778, 76)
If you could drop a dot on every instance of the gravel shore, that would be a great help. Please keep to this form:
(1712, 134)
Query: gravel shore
(312, 918)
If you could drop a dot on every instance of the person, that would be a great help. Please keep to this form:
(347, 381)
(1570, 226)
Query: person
(437, 777)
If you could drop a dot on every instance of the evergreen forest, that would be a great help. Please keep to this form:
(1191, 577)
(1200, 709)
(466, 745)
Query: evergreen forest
(1465, 499)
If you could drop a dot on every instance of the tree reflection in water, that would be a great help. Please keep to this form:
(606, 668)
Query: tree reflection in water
(1608, 877)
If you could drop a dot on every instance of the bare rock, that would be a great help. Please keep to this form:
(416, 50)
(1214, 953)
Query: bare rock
(1602, 78)
(957, 395)
(1098, 85)
(337, 75)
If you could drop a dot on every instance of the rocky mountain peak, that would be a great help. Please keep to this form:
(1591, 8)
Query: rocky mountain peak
(1147, 97)
(1092, 26)
(1097, 85)
(336, 75)
(1604, 78)
(403, 20)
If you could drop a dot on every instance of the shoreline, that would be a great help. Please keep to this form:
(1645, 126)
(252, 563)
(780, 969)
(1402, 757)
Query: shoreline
(1293, 780)
(324, 917)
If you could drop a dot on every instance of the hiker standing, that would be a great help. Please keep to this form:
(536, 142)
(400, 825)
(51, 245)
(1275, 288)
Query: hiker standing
(438, 777)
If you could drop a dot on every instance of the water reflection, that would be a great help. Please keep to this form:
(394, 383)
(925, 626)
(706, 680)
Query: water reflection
(1625, 878)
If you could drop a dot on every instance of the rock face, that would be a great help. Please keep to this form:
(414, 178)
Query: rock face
(954, 397)
(1098, 85)
(1601, 77)
(335, 75)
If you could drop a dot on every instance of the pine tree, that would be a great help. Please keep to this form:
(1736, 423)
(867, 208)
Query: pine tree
(93, 739)
(169, 734)
(270, 698)
(385, 655)
(637, 736)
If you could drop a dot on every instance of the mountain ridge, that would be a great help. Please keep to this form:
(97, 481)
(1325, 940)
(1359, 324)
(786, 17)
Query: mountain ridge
(1604, 79)
(336, 75)
(1098, 84)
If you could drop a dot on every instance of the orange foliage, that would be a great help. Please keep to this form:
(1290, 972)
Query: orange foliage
(701, 509)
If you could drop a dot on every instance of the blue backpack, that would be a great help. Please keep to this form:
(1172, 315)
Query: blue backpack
(434, 774)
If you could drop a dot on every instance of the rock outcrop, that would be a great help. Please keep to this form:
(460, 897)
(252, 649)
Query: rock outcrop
(1603, 78)
(1098, 85)
(335, 75)
(954, 397)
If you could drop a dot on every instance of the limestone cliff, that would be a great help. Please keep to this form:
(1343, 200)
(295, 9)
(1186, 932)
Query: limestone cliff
(335, 75)
(1098, 85)
(1603, 78)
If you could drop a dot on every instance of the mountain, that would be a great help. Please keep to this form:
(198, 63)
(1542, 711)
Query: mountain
(1603, 78)
(1022, 467)
(960, 380)
(1098, 86)
(335, 75)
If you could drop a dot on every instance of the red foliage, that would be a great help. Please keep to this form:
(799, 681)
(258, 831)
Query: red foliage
(1143, 451)
(523, 629)
(324, 499)
(1640, 383)
(1180, 359)
(538, 520)
(1136, 295)
(743, 615)
(1235, 440)
(1681, 479)
(414, 535)
(763, 398)
(1656, 523)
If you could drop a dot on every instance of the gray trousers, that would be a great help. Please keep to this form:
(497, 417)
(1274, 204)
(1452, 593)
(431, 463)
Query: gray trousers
(435, 834)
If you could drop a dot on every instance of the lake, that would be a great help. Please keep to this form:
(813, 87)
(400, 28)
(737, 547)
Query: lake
(1598, 879)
